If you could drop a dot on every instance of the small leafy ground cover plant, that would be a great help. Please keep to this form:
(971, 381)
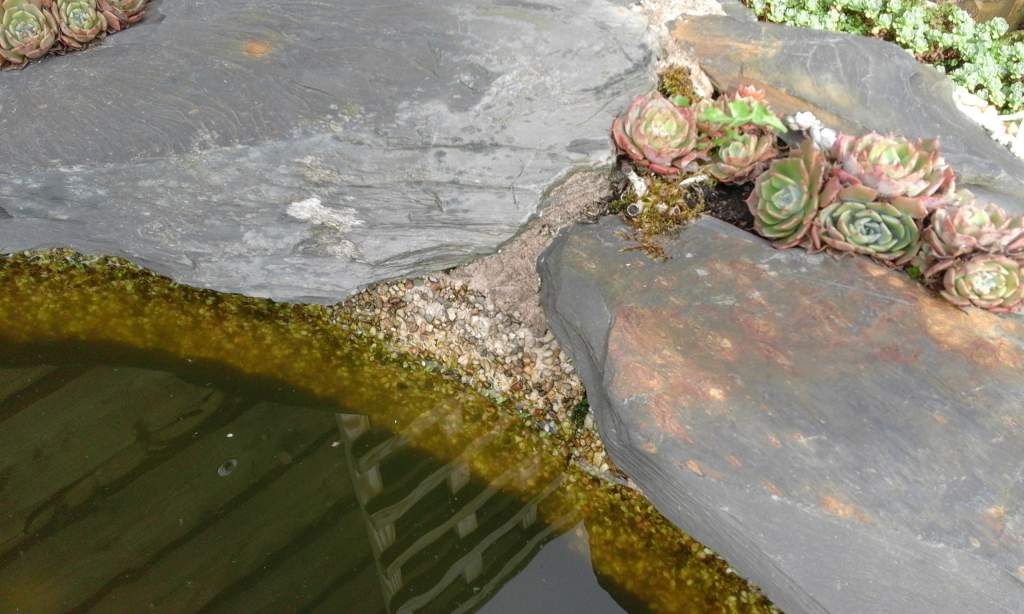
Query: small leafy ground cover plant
(31, 29)
(884, 197)
(985, 58)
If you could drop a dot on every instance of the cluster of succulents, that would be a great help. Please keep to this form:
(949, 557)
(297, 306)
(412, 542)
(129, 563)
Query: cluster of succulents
(882, 196)
(30, 29)
(732, 138)
(894, 200)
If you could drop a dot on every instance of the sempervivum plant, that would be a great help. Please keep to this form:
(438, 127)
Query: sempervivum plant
(787, 196)
(80, 21)
(26, 30)
(856, 223)
(122, 13)
(744, 109)
(971, 227)
(988, 281)
(742, 159)
(658, 134)
(913, 176)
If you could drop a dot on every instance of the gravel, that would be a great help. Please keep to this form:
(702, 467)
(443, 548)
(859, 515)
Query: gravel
(483, 325)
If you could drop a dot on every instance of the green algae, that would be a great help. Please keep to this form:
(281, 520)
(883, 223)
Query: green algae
(60, 297)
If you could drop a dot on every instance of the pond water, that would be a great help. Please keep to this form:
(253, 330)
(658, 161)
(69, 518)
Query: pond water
(169, 449)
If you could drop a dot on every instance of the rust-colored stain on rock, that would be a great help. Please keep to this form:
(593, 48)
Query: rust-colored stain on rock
(256, 48)
(841, 509)
(772, 489)
(993, 518)
(652, 366)
(895, 353)
(729, 62)
(982, 337)
(695, 33)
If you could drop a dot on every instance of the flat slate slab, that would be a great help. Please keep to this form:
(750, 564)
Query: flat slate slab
(299, 149)
(843, 438)
(856, 84)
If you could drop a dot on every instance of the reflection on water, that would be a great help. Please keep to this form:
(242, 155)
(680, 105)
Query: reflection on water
(168, 449)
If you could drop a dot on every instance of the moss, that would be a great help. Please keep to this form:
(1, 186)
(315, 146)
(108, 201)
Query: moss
(579, 413)
(676, 81)
(667, 207)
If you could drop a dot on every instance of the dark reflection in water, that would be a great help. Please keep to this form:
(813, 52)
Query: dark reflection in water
(170, 449)
(128, 489)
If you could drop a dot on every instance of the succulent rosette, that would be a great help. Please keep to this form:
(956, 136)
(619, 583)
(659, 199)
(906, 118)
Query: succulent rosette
(912, 176)
(658, 134)
(80, 21)
(122, 13)
(856, 223)
(788, 194)
(742, 159)
(27, 31)
(972, 227)
(745, 110)
(988, 281)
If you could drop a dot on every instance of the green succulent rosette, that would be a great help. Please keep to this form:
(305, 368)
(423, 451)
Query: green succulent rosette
(658, 134)
(742, 159)
(122, 13)
(855, 223)
(988, 281)
(912, 176)
(744, 109)
(80, 21)
(970, 227)
(788, 195)
(27, 31)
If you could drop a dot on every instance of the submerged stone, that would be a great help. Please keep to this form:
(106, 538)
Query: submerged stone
(299, 150)
(856, 84)
(844, 438)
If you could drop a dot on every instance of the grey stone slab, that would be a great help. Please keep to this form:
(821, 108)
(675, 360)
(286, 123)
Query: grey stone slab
(857, 84)
(428, 131)
(846, 440)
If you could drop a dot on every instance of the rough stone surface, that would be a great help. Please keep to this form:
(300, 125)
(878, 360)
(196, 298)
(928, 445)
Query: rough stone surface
(846, 440)
(299, 149)
(856, 84)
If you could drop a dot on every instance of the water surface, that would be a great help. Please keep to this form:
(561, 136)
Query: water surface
(168, 449)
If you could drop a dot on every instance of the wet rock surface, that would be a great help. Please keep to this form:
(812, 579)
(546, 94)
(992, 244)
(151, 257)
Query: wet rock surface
(298, 149)
(847, 441)
(856, 84)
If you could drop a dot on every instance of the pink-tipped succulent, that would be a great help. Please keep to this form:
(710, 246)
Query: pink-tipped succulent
(27, 30)
(912, 176)
(657, 134)
(743, 158)
(79, 21)
(788, 195)
(857, 223)
(988, 281)
(122, 13)
(974, 227)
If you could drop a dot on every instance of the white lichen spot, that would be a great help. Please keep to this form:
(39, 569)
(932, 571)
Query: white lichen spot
(313, 211)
